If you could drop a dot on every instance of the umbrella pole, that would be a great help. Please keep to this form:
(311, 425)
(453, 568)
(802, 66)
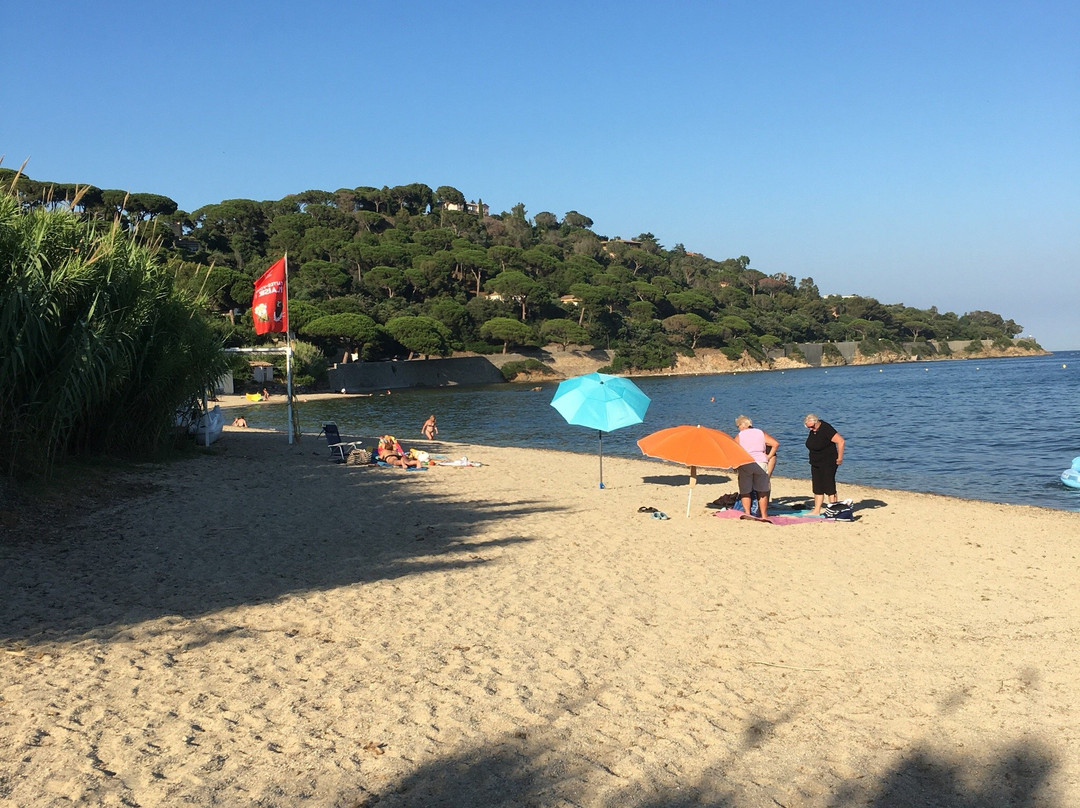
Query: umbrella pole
(693, 482)
(600, 433)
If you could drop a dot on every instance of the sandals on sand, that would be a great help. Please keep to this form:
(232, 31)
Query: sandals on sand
(660, 515)
(646, 509)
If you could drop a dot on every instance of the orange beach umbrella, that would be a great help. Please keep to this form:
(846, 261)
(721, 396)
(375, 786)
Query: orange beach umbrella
(695, 446)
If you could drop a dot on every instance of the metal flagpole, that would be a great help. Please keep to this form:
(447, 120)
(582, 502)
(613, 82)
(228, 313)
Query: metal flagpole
(288, 354)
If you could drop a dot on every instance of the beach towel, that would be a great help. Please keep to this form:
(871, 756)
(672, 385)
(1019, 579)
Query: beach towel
(731, 513)
(464, 461)
(386, 465)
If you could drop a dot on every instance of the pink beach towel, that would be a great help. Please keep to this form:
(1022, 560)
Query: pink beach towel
(776, 520)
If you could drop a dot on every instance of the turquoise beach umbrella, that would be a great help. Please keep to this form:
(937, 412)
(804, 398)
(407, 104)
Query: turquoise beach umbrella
(600, 402)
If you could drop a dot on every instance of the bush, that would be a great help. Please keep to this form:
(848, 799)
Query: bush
(101, 349)
(870, 347)
(649, 356)
(830, 351)
(481, 347)
(732, 352)
(974, 347)
(512, 370)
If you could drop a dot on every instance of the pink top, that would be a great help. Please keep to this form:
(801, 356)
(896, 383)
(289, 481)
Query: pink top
(753, 440)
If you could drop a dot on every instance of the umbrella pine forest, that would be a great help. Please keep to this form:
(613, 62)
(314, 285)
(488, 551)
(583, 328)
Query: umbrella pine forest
(116, 303)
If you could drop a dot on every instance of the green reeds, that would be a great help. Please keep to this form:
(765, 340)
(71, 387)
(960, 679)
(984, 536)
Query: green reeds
(97, 350)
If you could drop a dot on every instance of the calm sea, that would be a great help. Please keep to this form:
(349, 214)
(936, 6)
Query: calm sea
(1000, 430)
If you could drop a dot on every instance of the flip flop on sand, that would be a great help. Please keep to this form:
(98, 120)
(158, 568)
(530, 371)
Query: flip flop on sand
(660, 515)
(646, 509)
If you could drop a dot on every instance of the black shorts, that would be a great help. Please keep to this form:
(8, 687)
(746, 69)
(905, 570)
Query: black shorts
(824, 479)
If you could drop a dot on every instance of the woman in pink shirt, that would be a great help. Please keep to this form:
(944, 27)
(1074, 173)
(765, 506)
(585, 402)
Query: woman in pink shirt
(761, 446)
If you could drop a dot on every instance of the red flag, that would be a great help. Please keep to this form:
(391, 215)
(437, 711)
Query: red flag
(270, 305)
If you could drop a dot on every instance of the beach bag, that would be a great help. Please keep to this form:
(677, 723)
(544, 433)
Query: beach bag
(840, 511)
(724, 501)
(358, 457)
(753, 503)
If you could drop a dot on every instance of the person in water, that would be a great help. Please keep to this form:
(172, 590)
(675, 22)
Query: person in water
(826, 448)
(429, 430)
(761, 446)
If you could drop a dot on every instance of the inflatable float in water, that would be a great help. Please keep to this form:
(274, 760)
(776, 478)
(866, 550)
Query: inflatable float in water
(1071, 477)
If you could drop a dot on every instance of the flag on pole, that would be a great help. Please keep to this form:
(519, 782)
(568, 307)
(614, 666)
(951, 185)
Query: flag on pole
(270, 304)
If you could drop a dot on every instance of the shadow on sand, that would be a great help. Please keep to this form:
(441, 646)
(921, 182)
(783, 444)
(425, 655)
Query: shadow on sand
(309, 524)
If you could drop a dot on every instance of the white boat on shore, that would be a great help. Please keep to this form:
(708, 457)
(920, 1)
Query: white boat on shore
(209, 426)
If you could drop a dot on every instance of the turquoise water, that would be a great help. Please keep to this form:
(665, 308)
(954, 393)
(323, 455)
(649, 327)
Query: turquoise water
(1000, 430)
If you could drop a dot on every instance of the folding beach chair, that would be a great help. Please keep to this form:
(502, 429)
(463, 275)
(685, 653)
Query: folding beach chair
(339, 449)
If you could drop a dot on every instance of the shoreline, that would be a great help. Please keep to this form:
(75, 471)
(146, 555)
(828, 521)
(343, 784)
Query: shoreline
(259, 624)
(571, 363)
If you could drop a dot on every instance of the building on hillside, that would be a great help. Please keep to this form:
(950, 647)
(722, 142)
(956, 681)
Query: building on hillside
(475, 208)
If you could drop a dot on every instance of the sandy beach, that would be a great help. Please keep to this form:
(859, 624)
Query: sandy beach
(257, 625)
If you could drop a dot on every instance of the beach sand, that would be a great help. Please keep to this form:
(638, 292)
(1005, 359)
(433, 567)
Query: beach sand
(258, 625)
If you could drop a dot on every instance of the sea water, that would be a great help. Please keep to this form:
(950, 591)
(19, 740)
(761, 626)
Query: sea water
(1000, 430)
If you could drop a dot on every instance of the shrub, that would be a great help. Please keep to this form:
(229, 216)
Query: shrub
(101, 349)
(870, 346)
(512, 370)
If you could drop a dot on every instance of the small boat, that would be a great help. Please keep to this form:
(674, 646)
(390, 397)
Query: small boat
(1071, 476)
(209, 426)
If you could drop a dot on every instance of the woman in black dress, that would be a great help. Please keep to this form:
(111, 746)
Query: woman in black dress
(826, 447)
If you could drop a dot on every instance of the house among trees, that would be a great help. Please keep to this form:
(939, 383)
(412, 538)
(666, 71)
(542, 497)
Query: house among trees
(475, 208)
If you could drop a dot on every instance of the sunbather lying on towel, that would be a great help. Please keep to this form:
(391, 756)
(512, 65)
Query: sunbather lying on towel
(390, 452)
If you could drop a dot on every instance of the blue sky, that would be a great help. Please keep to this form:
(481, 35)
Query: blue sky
(919, 152)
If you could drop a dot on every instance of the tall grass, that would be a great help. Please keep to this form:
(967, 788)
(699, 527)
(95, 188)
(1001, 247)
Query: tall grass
(97, 350)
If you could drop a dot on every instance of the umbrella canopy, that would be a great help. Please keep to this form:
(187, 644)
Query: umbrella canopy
(601, 402)
(695, 446)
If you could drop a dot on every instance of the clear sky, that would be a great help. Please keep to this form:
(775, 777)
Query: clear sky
(918, 152)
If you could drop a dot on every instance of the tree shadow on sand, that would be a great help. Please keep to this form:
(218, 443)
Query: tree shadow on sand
(517, 771)
(165, 548)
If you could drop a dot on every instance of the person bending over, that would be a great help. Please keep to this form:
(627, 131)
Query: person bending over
(826, 448)
(761, 446)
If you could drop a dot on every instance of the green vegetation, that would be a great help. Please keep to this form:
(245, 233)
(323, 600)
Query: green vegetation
(511, 370)
(101, 350)
(406, 271)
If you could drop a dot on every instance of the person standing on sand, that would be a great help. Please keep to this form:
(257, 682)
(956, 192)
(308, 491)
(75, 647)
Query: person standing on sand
(826, 448)
(761, 446)
(429, 430)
